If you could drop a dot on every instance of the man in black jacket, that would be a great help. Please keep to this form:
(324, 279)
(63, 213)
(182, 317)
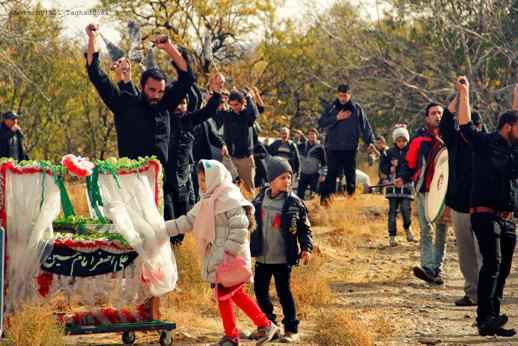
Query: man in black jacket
(286, 149)
(11, 137)
(344, 122)
(141, 118)
(205, 137)
(238, 125)
(457, 199)
(493, 199)
(314, 164)
(178, 188)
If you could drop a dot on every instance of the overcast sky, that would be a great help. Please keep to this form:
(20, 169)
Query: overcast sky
(74, 22)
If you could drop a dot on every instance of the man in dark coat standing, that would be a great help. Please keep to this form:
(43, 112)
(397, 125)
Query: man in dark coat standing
(11, 137)
(344, 122)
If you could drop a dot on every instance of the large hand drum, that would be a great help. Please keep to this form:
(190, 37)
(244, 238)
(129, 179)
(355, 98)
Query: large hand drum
(436, 197)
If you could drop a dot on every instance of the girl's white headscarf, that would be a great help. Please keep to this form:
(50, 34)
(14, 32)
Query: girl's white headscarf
(222, 195)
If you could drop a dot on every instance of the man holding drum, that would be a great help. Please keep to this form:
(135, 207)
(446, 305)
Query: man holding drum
(418, 167)
(493, 200)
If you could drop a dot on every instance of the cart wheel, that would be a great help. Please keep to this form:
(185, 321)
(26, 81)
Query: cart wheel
(166, 339)
(128, 338)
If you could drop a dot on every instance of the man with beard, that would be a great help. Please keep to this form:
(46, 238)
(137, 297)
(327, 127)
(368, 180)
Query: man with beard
(178, 186)
(458, 197)
(344, 122)
(141, 117)
(493, 200)
(418, 168)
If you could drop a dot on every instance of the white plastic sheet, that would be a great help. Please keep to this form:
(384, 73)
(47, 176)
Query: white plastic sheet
(135, 215)
(29, 228)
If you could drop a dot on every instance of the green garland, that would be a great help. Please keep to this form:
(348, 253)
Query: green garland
(78, 223)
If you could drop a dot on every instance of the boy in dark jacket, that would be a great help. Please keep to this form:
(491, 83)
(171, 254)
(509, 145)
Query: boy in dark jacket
(282, 238)
(399, 197)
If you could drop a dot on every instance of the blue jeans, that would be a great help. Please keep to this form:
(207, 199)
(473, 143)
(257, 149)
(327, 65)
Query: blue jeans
(432, 254)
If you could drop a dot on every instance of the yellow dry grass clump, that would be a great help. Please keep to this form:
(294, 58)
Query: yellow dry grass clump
(34, 325)
(341, 327)
(310, 286)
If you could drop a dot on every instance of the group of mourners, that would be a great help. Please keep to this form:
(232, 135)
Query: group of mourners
(238, 201)
(481, 199)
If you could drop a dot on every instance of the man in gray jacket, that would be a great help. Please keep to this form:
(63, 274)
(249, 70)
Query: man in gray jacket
(344, 122)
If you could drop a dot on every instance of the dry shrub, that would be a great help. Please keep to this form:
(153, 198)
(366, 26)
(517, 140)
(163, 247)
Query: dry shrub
(340, 237)
(317, 214)
(310, 285)
(340, 327)
(36, 326)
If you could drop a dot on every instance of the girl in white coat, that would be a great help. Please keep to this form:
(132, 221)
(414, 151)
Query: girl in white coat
(221, 223)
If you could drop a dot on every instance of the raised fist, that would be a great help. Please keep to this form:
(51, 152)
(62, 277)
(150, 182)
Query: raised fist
(162, 42)
(463, 85)
(92, 30)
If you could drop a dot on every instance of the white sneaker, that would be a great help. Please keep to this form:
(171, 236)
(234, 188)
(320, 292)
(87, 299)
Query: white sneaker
(392, 241)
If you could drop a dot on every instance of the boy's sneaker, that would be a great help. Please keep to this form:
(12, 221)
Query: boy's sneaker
(227, 341)
(256, 333)
(266, 334)
(409, 235)
(392, 241)
(289, 338)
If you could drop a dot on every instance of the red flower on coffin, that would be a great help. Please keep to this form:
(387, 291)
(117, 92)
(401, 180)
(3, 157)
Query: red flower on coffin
(78, 166)
(44, 281)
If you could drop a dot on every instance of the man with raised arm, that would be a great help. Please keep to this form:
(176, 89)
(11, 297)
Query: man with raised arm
(458, 198)
(141, 116)
(493, 201)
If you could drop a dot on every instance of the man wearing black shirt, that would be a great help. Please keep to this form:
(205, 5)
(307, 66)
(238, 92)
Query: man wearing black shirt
(141, 117)
(457, 199)
(495, 166)
(238, 125)
(178, 188)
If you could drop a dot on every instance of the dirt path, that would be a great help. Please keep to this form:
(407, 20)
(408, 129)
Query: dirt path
(370, 279)
(422, 312)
